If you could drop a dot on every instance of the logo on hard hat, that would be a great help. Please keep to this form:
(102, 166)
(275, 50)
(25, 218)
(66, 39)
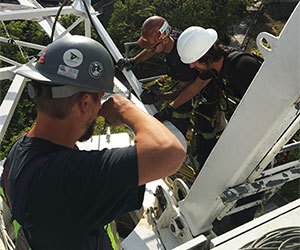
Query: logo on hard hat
(73, 57)
(96, 69)
(42, 55)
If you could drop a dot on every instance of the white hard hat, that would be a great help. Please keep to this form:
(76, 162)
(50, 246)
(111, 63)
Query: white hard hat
(194, 42)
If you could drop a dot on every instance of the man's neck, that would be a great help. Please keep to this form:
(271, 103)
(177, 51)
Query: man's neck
(54, 130)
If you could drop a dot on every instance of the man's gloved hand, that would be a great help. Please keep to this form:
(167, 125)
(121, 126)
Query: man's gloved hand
(148, 97)
(125, 63)
(164, 114)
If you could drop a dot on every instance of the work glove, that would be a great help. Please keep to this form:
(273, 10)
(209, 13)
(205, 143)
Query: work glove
(125, 63)
(164, 114)
(148, 97)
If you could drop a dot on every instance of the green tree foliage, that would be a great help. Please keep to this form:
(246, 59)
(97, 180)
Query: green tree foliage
(24, 114)
(127, 19)
(129, 15)
(67, 20)
(25, 31)
(101, 127)
(23, 118)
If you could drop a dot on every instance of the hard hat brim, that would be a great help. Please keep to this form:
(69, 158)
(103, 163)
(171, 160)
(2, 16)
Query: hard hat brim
(30, 72)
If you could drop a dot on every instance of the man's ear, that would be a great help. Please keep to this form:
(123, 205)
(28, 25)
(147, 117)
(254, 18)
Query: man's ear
(84, 102)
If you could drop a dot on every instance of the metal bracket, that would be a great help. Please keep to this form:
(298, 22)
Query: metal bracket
(167, 215)
(265, 183)
(272, 179)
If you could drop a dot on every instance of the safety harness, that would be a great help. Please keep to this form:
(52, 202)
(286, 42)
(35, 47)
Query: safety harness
(15, 189)
(204, 103)
(233, 56)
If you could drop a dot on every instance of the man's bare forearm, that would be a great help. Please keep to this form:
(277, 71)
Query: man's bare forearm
(143, 56)
(159, 151)
(189, 92)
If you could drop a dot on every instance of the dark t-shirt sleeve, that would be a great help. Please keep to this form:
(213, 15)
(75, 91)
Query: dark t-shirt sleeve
(178, 70)
(101, 184)
(243, 72)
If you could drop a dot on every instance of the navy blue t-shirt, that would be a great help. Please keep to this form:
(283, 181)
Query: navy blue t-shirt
(75, 193)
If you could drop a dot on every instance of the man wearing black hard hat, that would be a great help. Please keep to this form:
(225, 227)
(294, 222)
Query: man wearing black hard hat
(62, 196)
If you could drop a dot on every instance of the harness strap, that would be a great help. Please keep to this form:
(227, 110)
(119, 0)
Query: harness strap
(18, 203)
(181, 115)
(152, 83)
(112, 235)
(232, 57)
(210, 119)
(218, 122)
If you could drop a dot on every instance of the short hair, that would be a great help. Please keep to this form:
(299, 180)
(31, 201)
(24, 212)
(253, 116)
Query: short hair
(214, 54)
(59, 108)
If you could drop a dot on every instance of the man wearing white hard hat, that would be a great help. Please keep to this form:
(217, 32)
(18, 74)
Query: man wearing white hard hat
(200, 48)
(231, 70)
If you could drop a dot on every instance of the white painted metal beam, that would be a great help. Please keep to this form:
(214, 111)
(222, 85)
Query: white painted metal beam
(7, 73)
(22, 43)
(10, 102)
(10, 61)
(261, 119)
(33, 14)
(47, 22)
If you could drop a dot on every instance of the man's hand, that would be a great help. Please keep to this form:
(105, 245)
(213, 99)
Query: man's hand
(148, 97)
(159, 153)
(164, 114)
(114, 108)
(126, 63)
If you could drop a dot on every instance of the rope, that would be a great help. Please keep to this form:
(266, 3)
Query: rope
(280, 239)
(56, 19)
(7, 242)
(12, 41)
